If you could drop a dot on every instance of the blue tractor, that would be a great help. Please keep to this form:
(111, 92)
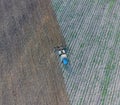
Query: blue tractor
(61, 51)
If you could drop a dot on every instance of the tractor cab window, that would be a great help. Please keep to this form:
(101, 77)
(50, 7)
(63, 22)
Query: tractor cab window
(63, 51)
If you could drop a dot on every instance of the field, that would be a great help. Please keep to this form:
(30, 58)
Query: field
(92, 33)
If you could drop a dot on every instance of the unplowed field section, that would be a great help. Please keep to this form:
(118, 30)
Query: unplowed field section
(92, 32)
(29, 71)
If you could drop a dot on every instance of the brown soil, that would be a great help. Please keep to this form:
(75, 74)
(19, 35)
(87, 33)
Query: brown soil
(29, 70)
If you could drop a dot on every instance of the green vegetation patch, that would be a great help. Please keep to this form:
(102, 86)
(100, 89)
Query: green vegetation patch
(74, 34)
(111, 4)
(108, 69)
(82, 45)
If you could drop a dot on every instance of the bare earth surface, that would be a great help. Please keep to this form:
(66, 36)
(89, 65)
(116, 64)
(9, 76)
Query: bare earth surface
(29, 70)
(92, 32)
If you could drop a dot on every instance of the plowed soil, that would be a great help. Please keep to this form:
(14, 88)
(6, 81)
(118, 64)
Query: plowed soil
(29, 70)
